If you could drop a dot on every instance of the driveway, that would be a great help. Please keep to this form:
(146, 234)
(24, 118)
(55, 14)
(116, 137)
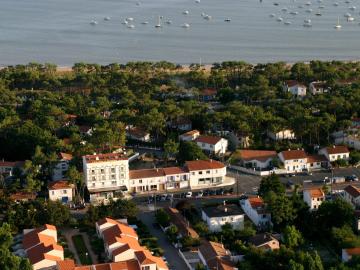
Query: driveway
(170, 252)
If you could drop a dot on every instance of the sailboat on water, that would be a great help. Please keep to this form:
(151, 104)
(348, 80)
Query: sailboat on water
(158, 25)
(338, 25)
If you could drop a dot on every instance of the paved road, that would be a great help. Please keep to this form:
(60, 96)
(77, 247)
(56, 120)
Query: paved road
(171, 253)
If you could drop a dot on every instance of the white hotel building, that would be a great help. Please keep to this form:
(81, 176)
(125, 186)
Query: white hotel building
(106, 174)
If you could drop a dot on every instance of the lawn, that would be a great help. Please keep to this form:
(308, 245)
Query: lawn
(81, 249)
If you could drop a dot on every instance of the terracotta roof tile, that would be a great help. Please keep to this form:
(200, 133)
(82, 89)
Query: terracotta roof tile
(208, 139)
(65, 156)
(256, 202)
(104, 157)
(174, 170)
(256, 154)
(316, 158)
(316, 193)
(60, 184)
(197, 165)
(338, 149)
(146, 173)
(35, 237)
(191, 133)
(66, 265)
(40, 252)
(294, 154)
(353, 251)
(21, 196)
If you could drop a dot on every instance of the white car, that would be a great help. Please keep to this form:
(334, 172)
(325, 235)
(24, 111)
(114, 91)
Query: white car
(188, 194)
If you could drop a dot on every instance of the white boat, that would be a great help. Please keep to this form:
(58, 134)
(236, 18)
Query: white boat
(227, 20)
(93, 22)
(125, 22)
(294, 13)
(347, 15)
(197, 1)
(168, 22)
(207, 17)
(158, 25)
(350, 19)
(307, 24)
(107, 19)
(287, 23)
(284, 9)
(318, 14)
(276, 4)
(308, 3)
(186, 12)
(322, 7)
(279, 19)
(138, 3)
(352, 8)
(338, 25)
(185, 25)
(300, 6)
(307, 21)
(130, 19)
(203, 14)
(131, 26)
(146, 22)
(309, 10)
(272, 15)
(336, 4)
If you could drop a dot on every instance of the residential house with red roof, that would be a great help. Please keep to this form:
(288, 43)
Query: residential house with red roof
(314, 197)
(208, 94)
(62, 166)
(255, 209)
(212, 144)
(257, 159)
(181, 123)
(137, 134)
(335, 152)
(214, 256)
(294, 160)
(318, 87)
(7, 167)
(352, 195)
(189, 136)
(121, 245)
(295, 88)
(264, 241)
(41, 247)
(61, 190)
(348, 253)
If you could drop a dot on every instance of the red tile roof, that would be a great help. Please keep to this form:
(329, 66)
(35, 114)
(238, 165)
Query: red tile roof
(61, 184)
(208, 139)
(40, 252)
(66, 265)
(12, 163)
(338, 149)
(316, 158)
(291, 83)
(353, 251)
(23, 196)
(216, 256)
(208, 92)
(146, 173)
(191, 133)
(197, 165)
(174, 170)
(137, 132)
(104, 157)
(353, 191)
(256, 202)
(261, 155)
(316, 192)
(179, 221)
(294, 154)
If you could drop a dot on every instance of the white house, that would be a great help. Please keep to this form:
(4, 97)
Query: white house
(212, 144)
(314, 197)
(61, 190)
(335, 152)
(264, 241)
(347, 253)
(189, 136)
(316, 162)
(7, 167)
(217, 216)
(62, 166)
(137, 134)
(295, 88)
(294, 160)
(352, 141)
(285, 134)
(182, 124)
(147, 180)
(352, 195)
(258, 159)
(318, 87)
(105, 174)
(255, 209)
(176, 178)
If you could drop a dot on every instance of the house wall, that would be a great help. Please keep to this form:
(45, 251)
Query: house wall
(258, 163)
(215, 223)
(106, 174)
(60, 169)
(297, 90)
(334, 157)
(177, 181)
(207, 177)
(313, 203)
(124, 256)
(219, 148)
(44, 265)
(293, 165)
(58, 194)
(257, 219)
(147, 184)
(285, 134)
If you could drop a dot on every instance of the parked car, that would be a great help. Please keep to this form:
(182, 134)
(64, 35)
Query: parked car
(200, 194)
(220, 191)
(351, 178)
(163, 197)
(188, 194)
(338, 179)
(290, 184)
(206, 193)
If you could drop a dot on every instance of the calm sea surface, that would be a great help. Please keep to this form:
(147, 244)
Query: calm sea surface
(59, 31)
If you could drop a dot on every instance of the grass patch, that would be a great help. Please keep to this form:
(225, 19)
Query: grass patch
(81, 249)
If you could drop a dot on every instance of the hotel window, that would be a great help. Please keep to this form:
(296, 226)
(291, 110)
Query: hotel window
(103, 183)
(200, 172)
(102, 171)
(113, 170)
(93, 171)
(207, 172)
(193, 173)
(140, 181)
(203, 144)
(94, 178)
(103, 177)
(53, 192)
(93, 184)
(113, 176)
(121, 168)
(145, 268)
(122, 175)
(64, 191)
(113, 183)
